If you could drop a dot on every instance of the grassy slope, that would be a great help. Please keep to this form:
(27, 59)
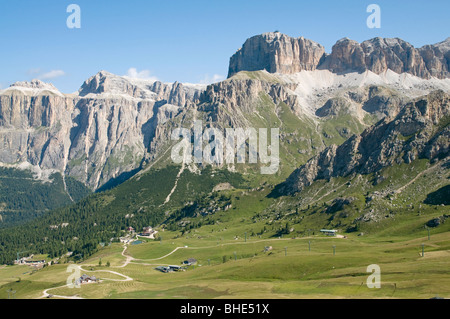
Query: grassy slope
(393, 243)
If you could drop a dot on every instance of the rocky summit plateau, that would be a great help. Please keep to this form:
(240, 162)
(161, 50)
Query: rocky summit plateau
(279, 53)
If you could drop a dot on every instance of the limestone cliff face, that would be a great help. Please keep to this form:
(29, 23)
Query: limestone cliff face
(437, 58)
(176, 94)
(34, 128)
(278, 53)
(414, 133)
(238, 96)
(393, 54)
(377, 55)
(346, 55)
(96, 135)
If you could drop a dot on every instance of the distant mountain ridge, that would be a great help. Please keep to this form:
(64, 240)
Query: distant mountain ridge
(278, 53)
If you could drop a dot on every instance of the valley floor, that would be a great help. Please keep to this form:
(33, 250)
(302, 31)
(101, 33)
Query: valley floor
(242, 269)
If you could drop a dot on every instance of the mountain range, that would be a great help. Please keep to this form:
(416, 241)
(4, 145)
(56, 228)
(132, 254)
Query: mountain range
(357, 111)
(279, 53)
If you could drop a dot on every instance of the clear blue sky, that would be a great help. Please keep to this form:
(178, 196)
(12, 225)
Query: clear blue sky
(187, 41)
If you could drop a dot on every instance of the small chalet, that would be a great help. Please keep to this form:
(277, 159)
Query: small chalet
(329, 232)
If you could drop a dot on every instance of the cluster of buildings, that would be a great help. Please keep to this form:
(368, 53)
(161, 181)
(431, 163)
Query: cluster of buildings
(170, 268)
(146, 231)
(29, 261)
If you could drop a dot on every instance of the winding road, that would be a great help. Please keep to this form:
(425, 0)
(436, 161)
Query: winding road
(130, 259)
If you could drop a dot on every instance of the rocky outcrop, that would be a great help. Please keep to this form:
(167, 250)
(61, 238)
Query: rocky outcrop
(393, 54)
(230, 102)
(278, 53)
(346, 56)
(333, 107)
(377, 55)
(236, 94)
(416, 132)
(377, 100)
(435, 222)
(437, 58)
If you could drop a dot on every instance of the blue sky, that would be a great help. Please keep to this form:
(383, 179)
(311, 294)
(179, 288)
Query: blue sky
(186, 41)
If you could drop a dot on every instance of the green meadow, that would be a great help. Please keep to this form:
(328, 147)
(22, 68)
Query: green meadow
(242, 269)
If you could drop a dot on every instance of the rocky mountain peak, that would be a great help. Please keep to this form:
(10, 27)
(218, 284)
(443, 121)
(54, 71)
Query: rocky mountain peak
(443, 45)
(276, 53)
(345, 40)
(103, 82)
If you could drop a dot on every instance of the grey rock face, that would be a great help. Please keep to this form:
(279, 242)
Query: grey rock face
(437, 58)
(377, 55)
(102, 132)
(393, 54)
(346, 55)
(276, 52)
(237, 96)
